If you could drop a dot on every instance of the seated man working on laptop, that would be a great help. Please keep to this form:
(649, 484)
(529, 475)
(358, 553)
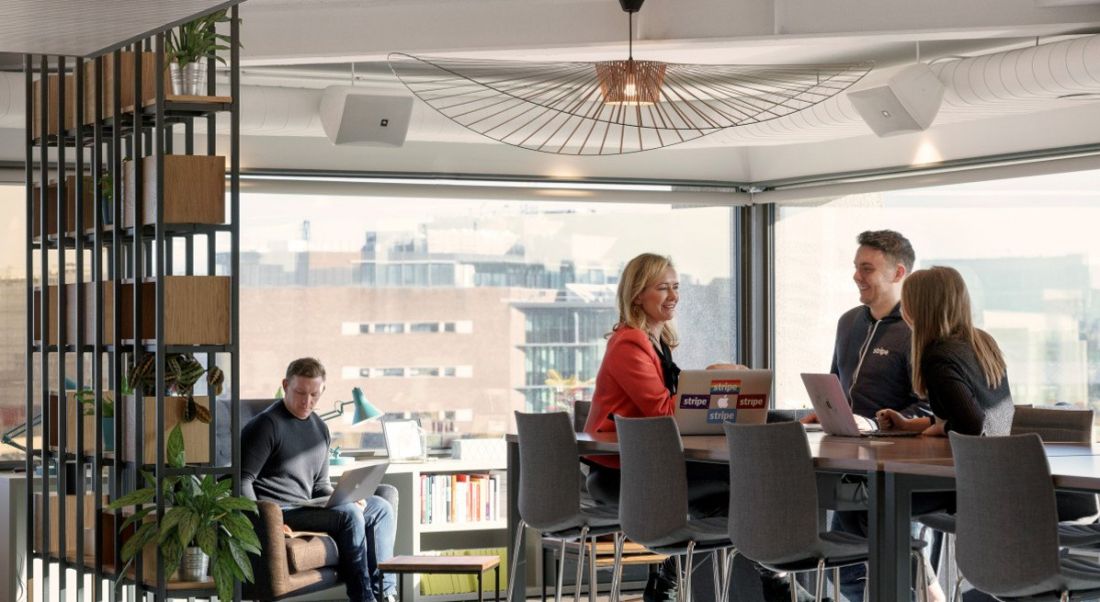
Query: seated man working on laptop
(284, 459)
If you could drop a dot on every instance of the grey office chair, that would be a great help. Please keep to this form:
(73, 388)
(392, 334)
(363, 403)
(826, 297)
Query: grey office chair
(771, 472)
(653, 500)
(1011, 550)
(549, 495)
(1053, 425)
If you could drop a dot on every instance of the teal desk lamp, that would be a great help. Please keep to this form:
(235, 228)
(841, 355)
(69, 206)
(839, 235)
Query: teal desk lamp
(364, 411)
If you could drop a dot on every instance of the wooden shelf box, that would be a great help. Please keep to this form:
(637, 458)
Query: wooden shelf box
(127, 61)
(70, 521)
(51, 317)
(51, 105)
(87, 205)
(196, 434)
(194, 190)
(196, 310)
(73, 411)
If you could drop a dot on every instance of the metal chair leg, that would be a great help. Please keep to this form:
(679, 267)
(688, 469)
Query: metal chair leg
(679, 580)
(592, 581)
(561, 573)
(688, 571)
(836, 584)
(727, 575)
(516, 551)
(617, 567)
(819, 582)
(794, 587)
(580, 564)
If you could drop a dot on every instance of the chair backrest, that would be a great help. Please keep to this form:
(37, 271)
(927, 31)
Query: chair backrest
(549, 499)
(773, 491)
(653, 496)
(1007, 522)
(581, 408)
(249, 408)
(1054, 424)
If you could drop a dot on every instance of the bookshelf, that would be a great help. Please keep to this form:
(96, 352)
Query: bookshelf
(123, 208)
(415, 537)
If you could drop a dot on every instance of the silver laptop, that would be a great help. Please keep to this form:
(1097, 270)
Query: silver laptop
(707, 398)
(835, 414)
(354, 485)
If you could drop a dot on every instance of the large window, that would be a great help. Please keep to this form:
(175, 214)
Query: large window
(459, 311)
(1027, 248)
(13, 316)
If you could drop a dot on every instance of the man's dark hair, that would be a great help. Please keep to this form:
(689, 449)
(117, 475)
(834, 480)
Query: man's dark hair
(308, 367)
(892, 244)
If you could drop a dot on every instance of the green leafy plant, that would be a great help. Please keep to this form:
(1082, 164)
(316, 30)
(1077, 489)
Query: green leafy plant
(86, 398)
(198, 40)
(181, 372)
(107, 194)
(199, 512)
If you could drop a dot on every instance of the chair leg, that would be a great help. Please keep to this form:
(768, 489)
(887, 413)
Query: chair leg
(561, 573)
(516, 551)
(866, 586)
(617, 567)
(582, 540)
(689, 569)
(794, 586)
(593, 582)
(716, 562)
(679, 579)
(957, 595)
(727, 573)
(819, 584)
(836, 584)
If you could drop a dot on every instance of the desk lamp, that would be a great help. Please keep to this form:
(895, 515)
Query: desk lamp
(364, 411)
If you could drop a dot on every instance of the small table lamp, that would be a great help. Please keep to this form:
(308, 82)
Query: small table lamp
(364, 411)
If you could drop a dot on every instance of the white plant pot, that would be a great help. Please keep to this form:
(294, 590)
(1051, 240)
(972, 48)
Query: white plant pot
(189, 80)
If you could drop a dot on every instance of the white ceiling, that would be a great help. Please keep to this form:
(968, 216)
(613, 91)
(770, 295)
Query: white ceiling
(89, 27)
(293, 48)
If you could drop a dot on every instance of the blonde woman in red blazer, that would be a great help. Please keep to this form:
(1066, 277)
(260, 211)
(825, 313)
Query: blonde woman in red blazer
(638, 378)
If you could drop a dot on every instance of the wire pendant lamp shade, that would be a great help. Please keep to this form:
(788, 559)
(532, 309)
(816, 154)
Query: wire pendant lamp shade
(613, 107)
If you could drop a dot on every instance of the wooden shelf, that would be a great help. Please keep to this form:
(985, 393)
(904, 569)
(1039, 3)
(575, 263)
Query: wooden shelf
(194, 190)
(488, 525)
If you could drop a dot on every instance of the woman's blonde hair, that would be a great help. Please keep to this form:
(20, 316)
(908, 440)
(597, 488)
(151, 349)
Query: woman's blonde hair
(639, 273)
(938, 305)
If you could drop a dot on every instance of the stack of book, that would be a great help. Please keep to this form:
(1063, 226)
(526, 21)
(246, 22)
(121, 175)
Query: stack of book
(459, 498)
(439, 584)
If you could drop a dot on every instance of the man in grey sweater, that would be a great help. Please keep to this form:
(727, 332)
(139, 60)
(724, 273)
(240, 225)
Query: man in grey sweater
(284, 459)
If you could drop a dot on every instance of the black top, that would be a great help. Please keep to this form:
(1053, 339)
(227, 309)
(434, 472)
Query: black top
(871, 358)
(669, 369)
(284, 459)
(958, 392)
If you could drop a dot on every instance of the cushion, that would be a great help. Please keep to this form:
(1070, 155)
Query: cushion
(308, 552)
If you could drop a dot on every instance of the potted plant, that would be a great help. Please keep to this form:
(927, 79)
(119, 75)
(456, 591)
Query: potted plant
(203, 525)
(188, 45)
(86, 398)
(181, 373)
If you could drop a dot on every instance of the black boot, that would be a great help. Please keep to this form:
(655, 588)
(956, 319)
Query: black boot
(661, 586)
(777, 588)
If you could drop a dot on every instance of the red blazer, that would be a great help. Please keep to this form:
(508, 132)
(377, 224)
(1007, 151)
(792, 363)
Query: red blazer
(630, 383)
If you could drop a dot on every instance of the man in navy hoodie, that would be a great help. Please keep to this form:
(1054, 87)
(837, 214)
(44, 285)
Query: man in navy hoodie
(871, 355)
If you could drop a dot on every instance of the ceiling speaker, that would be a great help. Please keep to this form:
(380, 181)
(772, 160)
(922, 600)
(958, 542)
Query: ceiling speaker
(356, 115)
(907, 102)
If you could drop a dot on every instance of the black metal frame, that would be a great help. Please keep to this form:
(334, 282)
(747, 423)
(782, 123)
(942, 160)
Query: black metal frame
(137, 253)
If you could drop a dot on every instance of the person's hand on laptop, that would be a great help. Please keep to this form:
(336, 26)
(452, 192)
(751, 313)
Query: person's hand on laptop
(727, 367)
(810, 418)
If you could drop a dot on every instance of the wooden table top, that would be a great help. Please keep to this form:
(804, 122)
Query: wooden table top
(841, 453)
(439, 564)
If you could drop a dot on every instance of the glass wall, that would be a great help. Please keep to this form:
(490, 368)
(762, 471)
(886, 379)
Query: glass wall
(13, 317)
(1028, 249)
(459, 311)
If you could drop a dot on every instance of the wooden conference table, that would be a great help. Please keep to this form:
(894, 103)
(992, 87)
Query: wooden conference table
(895, 468)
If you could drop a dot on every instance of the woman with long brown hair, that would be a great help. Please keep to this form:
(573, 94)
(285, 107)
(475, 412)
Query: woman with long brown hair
(957, 367)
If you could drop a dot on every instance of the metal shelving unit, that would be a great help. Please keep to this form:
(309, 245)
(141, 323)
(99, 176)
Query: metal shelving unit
(90, 140)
